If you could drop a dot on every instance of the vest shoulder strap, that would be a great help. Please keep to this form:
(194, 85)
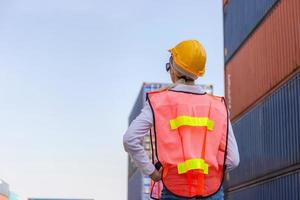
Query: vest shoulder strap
(220, 98)
(160, 90)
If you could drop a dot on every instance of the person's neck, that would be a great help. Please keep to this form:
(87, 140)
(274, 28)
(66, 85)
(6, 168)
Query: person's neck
(190, 83)
(185, 82)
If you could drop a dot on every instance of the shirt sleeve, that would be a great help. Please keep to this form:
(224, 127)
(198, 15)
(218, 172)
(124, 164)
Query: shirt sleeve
(233, 157)
(134, 137)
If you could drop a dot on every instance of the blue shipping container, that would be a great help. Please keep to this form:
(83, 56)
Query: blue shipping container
(240, 19)
(139, 104)
(268, 136)
(285, 187)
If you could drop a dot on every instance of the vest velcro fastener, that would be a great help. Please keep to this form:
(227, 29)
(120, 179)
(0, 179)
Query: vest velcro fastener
(191, 165)
(191, 121)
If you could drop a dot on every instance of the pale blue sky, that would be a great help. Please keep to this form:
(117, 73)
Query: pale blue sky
(70, 72)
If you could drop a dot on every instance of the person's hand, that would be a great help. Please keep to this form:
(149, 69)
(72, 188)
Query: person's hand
(156, 175)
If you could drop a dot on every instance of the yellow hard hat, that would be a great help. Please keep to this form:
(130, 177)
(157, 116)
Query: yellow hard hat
(190, 58)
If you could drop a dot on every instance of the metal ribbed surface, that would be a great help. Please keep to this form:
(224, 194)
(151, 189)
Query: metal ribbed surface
(268, 136)
(139, 103)
(135, 186)
(240, 18)
(282, 188)
(267, 58)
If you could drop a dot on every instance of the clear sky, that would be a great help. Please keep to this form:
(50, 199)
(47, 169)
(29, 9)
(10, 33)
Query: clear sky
(70, 72)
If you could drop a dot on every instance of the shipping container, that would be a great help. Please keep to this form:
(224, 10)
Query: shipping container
(137, 107)
(138, 184)
(4, 188)
(2, 197)
(268, 136)
(268, 57)
(240, 19)
(135, 186)
(285, 187)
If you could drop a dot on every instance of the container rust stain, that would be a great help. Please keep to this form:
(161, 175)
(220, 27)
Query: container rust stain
(267, 58)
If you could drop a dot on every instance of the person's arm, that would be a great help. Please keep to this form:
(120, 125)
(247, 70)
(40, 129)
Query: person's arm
(133, 140)
(233, 157)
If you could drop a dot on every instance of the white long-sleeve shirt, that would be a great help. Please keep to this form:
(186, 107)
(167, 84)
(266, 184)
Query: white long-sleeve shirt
(133, 138)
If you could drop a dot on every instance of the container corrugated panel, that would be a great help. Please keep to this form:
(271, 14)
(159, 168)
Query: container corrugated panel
(137, 107)
(135, 186)
(297, 33)
(281, 188)
(268, 136)
(131, 167)
(240, 19)
(4, 188)
(267, 58)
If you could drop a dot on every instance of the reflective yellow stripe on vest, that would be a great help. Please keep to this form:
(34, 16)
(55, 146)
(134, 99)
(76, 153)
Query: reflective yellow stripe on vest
(191, 121)
(192, 164)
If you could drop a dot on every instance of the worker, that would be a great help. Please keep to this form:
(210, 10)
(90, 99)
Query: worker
(192, 138)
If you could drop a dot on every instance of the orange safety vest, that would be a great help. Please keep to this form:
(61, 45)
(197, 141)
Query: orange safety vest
(189, 140)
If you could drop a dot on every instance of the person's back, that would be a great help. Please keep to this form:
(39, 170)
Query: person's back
(191, 131)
